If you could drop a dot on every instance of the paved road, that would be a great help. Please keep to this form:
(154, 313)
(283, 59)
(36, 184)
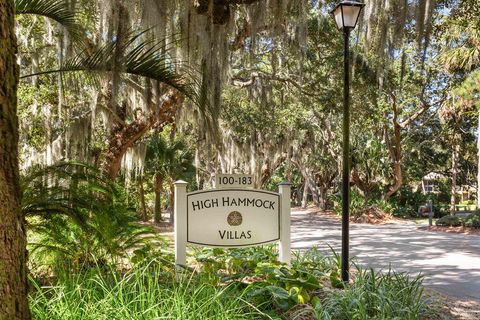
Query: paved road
(450, 262)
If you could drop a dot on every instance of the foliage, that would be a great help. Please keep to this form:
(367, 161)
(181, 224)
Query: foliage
(357, 203)
(171, 159)
(275, 289)
(470, 221)
(56, 10)
(284, 287)
(220, 264)
(374, 295)
(140, 58)
(360, 204)
(77, 218)
(140, 293)
(473, 220)
(449, 221)
(231, 284)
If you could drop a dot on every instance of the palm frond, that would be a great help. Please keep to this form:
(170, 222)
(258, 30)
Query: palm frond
(57, 10)
(141, 58)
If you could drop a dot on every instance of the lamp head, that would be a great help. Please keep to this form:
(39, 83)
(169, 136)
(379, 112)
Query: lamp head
(346, 14)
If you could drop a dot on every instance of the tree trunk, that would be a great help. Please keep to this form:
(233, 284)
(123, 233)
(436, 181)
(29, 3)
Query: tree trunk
(455, 159)
(306, 187)
(124, 136)
(158, 192)
(322, 198)
(142, 199)
(314, 192)
(13, 254)
(298, 195)
(478, 169)
(395, 151)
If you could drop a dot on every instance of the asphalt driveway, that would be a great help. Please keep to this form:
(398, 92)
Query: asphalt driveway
(449, 262)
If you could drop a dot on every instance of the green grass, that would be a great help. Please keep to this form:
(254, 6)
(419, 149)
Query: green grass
(144, 293)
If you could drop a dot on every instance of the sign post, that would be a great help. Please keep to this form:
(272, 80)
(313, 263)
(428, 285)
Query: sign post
(180, 222)
(284, 250)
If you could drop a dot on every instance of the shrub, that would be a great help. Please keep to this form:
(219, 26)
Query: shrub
(473, 220)
(282, 286)
(405, 212)
(357, 203)
(407, 202)
(80, 220)
(235, 263)
(449, 221)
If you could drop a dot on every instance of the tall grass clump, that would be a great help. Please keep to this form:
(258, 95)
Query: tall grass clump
(375, 295)
(141, 293)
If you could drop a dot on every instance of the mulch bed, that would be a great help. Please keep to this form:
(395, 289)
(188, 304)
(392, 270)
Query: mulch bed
(370, 215)
(446, 307)
(464, 230)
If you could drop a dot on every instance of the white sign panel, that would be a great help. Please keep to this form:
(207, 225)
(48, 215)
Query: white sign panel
(223, 181)
(233, 217)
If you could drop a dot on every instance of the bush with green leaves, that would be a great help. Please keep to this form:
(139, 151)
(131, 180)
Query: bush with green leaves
(283, 287)
(233, 262)
(313, 283)
(449, 221)
(357, 203)
(77, 218)
(473, 220)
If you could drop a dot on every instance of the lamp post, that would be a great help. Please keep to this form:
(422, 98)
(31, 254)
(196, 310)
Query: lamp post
(346, 15)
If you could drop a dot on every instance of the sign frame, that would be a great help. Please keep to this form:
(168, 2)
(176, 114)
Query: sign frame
(239, 245)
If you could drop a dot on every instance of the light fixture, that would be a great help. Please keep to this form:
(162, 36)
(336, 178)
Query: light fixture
(346, 14)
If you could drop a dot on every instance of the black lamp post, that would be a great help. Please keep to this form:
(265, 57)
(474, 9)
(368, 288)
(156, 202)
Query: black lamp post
(346, 15)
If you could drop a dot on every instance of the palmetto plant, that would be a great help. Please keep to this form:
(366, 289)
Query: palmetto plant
(77, 217)
(167, 161)
(140, 57)
(463, 49)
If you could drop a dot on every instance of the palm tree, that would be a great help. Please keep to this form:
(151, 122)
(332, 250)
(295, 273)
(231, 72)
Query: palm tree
(56, 10)
(461, 55)
(168, 161)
